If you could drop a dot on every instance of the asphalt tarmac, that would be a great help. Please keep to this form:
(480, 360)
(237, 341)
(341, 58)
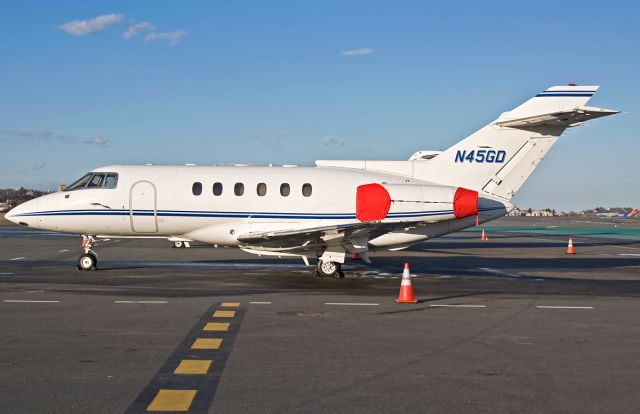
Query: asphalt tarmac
(511, 324)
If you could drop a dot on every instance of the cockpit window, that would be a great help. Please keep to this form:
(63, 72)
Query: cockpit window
(95, 180)
(81, 183)
(111, 181)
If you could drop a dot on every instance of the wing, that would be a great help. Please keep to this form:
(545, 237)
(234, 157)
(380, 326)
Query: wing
(312, 238)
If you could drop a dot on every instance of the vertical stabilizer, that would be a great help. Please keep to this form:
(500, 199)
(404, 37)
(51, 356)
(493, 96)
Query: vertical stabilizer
(499, 158)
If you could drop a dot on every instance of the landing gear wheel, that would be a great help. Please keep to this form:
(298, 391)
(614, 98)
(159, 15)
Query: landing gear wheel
(87, 261)
(329, 269)
(178, 244)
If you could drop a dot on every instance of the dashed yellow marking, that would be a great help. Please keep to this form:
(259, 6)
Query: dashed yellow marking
(224, 314)
(172, 400)
(216, 327)
(207, 343)
(230, 304)
(193, 366)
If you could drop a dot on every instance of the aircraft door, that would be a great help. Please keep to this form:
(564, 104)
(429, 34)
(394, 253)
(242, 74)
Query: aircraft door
(143, 207)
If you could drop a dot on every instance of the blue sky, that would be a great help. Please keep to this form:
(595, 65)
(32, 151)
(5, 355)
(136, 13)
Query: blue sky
(295, 81)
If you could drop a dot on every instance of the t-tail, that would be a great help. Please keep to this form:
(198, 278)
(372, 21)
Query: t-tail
(499, 158)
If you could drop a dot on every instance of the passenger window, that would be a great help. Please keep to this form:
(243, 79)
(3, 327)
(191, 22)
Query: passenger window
(285, 190)
(306, 190)
(196, 189)
(238, 189)
(111, 181)
(262, 189)
(217, 189)
(96, 181)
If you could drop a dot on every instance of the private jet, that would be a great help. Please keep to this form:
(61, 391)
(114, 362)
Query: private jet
(327, 211)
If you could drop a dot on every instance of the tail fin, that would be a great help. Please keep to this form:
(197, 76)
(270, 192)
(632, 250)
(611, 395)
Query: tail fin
(499, 158)
(633, 213)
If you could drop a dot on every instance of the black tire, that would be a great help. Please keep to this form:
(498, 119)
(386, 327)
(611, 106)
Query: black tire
(328, 269)
(87, 262)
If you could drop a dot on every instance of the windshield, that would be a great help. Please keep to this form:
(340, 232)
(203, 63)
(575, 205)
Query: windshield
(80, 183)
(95, 180)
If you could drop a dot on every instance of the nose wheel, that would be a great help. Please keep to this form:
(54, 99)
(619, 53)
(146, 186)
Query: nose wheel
(88, 260)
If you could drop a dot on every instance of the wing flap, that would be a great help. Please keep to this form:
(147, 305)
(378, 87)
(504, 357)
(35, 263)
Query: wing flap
(313, 237)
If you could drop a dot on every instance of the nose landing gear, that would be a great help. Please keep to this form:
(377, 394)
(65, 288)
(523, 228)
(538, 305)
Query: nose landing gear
(88, 260)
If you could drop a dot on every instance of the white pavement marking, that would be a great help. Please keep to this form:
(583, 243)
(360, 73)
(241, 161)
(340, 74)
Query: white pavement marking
(350, 304)
(458, 306)
(260, 303)
(141, 301)
(63, 250)
(30, 301)
(7, 273)
(18, 258)
(564, 307)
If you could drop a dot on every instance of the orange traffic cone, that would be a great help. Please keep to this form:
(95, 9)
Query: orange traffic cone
(406, 289)
(484, 236)
(570, 249)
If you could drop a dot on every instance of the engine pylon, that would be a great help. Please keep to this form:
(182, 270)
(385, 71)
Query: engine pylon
(406, 288)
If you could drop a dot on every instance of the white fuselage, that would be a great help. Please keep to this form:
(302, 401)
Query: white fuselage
(159, 201)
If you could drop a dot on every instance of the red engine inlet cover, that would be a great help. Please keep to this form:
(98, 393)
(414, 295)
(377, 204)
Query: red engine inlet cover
(372, 202)
(465, 203)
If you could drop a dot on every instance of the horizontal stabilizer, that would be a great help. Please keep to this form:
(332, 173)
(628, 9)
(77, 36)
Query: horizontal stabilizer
(561, 119)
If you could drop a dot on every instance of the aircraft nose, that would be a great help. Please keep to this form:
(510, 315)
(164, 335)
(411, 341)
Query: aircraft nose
(23, 214)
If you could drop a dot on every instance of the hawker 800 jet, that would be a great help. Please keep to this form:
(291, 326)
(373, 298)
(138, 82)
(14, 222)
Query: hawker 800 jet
(329, 211)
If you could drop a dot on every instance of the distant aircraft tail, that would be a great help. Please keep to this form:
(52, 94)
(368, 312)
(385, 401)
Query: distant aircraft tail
(499, 158)
(632, 214)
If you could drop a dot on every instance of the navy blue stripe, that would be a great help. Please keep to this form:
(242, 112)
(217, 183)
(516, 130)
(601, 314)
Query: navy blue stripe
(211, 213)
(161, 213)
(563, 94)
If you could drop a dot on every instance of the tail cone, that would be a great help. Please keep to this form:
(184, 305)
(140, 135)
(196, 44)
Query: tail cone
(406, 289)
(570, 249)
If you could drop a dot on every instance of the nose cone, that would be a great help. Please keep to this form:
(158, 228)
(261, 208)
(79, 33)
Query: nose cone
(24, 214)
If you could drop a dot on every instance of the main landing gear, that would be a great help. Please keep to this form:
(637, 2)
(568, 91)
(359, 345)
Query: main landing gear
(329, 269)
(88, 260)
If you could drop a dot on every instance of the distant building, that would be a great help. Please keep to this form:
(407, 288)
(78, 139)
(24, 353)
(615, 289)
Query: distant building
(516, 212)
(540, 213)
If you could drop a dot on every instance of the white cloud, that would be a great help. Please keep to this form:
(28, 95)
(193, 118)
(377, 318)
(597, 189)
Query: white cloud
(86, 27)
(172, 38)
(99, 141)
(357, 52)
(136, 28)
(45, 135)
(330, 140)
